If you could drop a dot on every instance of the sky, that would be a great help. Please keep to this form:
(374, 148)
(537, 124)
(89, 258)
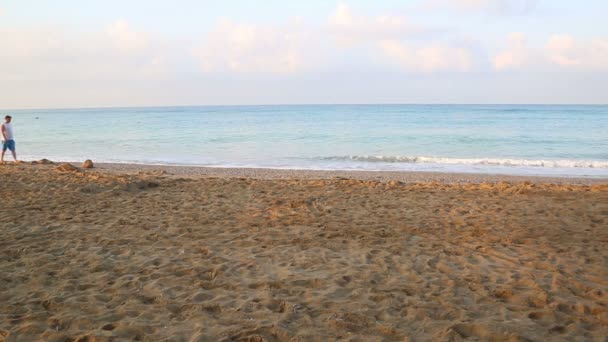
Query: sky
(111, 53)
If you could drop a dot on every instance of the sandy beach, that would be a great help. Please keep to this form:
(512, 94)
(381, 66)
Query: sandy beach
(149, 253)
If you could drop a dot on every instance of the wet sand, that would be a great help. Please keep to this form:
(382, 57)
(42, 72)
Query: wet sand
(148, 253)
(382, 176)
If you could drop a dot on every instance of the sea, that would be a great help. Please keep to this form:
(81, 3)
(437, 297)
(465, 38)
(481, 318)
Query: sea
(546, 140)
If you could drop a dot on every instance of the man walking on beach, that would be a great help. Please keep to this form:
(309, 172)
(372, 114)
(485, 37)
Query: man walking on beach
(8, 138)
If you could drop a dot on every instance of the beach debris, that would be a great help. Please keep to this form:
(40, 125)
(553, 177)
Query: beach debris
(67, 167)
(87, 164)
(394, 184)
(43, 161)
(153, 173)
(140, 185)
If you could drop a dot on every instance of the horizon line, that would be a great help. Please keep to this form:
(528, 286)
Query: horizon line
(308, 104)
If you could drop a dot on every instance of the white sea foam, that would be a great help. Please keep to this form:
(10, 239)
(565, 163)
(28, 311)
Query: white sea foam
(477, 161)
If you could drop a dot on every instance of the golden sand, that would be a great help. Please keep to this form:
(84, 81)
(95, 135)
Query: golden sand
(95, 256)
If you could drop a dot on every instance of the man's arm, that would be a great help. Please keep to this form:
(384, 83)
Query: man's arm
(4, 133)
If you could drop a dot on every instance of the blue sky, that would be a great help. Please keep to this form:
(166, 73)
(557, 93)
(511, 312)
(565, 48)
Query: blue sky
(142, 53)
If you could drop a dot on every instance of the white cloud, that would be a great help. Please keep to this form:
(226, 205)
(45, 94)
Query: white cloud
(457, 4)
(500, 7)
(54, 53)
(515, 55)
(565, 51)
(561, 51)
(295, 47)
(350, 29)
(242, 47)
(395, 39)
(348, 38)
(559, 48)
(125, 39)
(427, 58)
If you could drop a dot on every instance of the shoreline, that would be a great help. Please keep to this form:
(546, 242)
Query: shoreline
(382, 176)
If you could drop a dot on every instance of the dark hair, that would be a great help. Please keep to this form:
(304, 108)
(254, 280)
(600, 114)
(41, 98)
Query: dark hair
(8, 117)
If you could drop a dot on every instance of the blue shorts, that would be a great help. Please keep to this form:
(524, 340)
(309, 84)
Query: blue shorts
(8, 145)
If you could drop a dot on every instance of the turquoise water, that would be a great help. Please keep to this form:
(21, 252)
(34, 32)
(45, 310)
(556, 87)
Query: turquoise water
(512, 139)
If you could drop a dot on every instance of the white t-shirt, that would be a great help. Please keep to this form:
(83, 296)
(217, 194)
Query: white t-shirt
(8, 131)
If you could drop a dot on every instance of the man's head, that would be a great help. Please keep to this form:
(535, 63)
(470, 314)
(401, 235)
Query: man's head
(8, 118)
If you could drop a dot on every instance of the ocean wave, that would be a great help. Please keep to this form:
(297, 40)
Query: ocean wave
(476, 161)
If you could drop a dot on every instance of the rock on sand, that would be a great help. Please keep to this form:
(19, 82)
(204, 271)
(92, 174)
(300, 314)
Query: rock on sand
(42, 161)
(67, 167)
(87, 164)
